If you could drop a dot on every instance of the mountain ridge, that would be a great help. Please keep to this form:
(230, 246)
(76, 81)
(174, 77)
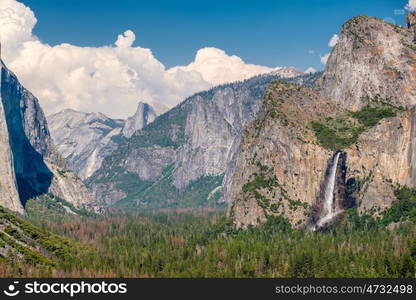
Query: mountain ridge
(189, 143)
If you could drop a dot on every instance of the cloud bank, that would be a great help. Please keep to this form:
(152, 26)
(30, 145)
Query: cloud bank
(332, 42)
(110, 79)
(411, 6)
(216, 67)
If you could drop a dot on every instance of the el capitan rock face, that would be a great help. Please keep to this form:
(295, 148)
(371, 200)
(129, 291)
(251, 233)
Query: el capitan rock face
(31, 164)
(9, 196)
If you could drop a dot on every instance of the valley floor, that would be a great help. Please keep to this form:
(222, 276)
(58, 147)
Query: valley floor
(203, 244)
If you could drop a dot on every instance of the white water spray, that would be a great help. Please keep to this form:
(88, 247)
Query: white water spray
(329, 193)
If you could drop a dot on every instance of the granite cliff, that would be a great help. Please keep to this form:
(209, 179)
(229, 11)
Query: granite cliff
(372, 57)
(30, 163)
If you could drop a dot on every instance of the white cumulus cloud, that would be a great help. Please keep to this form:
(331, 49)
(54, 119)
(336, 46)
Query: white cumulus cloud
(333, 41)
(324, 58)
(125, 40)
(109, 79)
(310, 70)
(217, 67)
(411, 5)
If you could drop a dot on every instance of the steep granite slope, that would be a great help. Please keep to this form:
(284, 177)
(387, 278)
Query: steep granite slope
(83, 139)
(303, 150)
(372, 58)
(180, 159)
(375, 59)
(383, 159)
(32, 165)
(280, 167)
(9, 196)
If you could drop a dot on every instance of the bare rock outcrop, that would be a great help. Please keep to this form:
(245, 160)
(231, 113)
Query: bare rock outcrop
(372, 57)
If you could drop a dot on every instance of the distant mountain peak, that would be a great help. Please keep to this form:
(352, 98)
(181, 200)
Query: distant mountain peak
(372, 58)
(144, 115)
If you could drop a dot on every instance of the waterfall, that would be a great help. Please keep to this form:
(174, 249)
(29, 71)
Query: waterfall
(328, 207)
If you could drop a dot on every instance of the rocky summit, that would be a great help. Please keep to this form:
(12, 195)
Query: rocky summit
(372, 57)
(85, 139)
(145, 114)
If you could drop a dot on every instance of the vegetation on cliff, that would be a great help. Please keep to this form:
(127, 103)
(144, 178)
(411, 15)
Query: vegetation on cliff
(341, 132)
(404, 209)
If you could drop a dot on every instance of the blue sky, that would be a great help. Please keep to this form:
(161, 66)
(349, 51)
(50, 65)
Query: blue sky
(264, 32)
(106, 56)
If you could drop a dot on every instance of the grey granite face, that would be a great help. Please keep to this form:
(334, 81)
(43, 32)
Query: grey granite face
(228, 133)
(85, 139)
(30, 163)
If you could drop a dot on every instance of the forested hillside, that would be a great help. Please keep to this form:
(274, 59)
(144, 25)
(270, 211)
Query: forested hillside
(205, 244)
